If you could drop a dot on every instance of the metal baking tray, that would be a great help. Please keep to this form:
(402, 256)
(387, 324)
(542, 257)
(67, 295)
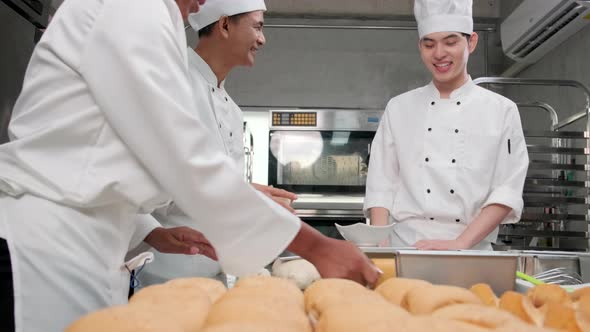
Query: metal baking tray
(462, 268)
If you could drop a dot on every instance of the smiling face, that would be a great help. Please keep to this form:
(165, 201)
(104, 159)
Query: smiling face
(445, 54)
(246, 37)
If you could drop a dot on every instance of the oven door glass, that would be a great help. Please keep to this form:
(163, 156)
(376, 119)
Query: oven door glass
(319, 161)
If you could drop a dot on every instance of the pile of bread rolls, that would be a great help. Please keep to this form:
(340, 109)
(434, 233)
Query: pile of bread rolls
(261, 304)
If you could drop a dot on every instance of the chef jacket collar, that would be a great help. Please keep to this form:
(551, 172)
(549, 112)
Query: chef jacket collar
(457, 93)
(204, 68)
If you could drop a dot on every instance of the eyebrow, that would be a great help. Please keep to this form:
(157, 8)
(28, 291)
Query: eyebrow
(454, 35)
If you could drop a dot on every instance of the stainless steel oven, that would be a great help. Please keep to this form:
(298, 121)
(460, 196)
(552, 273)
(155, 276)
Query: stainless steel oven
(323, 156)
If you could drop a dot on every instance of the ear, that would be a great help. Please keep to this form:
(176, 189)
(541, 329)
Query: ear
(473, 42)
(223, 26)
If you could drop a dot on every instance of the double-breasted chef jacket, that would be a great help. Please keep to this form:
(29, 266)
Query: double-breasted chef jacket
(224, 117)
(436, 163)
(104, 129)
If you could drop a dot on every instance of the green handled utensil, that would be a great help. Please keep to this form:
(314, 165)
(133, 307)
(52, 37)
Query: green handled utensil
(529, 278)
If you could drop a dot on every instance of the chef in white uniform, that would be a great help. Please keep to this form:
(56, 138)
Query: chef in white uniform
(104, 130)
(449, 160)
(230, 33)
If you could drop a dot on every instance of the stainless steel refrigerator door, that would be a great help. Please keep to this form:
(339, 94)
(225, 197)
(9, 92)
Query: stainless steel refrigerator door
(17, 37)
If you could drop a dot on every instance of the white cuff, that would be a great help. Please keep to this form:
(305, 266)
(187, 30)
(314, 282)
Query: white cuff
(508, 197)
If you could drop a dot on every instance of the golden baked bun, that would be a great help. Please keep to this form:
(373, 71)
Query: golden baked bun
(214, 288)
(425, 300)
(249, 327)
(479, 315)
(395, 290)
(583, 312)
(561, 317)
(432, 324)
(273, 284)
(354, 317)
(186, 306)
(325, 293)
(485, 294)
(579, 293)
(123, 319)
(548, 293)
(258, 310)
(387, 266)
(522, 307)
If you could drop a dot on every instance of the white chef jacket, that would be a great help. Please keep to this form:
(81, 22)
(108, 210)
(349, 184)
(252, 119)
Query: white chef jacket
(224, 117)
(436, 163)
(102, 130)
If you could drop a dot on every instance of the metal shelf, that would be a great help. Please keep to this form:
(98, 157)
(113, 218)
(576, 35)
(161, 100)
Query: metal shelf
(542, 217)
(557, 134)
(539, 201)
(536, 165)
(542, 233)
(552, 150)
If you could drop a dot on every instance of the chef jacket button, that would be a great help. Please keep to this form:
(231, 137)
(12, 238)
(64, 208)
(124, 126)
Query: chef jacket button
(230, 134)
(220, 125)
(428, 191)
(458, 220)
(432, 103)
(226, 99)
(212, 89)
(453, 161)
(458, 103)
(456, 131)
(452, 191)
(431, 218)
(426, 159)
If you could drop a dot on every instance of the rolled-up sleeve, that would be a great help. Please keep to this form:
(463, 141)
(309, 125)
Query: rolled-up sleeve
(511, 167)
(383, 176)
(134, 64)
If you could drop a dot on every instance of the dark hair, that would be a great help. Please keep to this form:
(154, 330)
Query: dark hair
(206, 31)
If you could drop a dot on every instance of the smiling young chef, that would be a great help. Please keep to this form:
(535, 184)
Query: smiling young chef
(449, 160)
(230, 35)
(103, 130)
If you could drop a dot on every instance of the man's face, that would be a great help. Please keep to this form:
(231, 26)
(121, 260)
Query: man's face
(445, 54)
(246, 38)
(188, 6)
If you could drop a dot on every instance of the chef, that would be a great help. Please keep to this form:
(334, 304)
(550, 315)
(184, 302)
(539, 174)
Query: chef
(104, 129)
(449, 160)
(230, 34)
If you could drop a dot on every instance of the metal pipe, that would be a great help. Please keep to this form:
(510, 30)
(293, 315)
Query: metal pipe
(548, 108)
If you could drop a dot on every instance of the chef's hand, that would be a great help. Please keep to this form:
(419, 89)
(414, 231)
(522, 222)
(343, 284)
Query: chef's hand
(180, 240)
(280, 196)
(334, 258)
(440, 245)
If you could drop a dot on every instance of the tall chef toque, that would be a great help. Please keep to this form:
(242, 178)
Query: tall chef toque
(213, 10)
(443, 15)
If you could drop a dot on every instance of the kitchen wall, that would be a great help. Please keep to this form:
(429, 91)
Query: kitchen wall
(337, 68)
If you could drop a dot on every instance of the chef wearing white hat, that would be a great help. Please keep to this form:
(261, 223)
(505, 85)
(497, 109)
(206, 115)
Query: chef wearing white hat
(102, 131)
(449, 159)
(230, 34)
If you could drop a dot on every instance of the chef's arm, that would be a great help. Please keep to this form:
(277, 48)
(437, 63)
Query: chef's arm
(488, 220)
(334, 258)
(379, 216)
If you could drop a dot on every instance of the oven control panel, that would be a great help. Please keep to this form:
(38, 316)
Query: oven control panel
(295, 119)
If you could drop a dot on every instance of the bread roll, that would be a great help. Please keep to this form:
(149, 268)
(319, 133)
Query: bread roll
(522, 307)
(354, 317)
(185, 306)
(325, 293)
(485, 294)
(395, 290)
(548, 293)
(300, 271)
(214, 288)
(579, 293)
(432, 324)
(425, 300)
(270, 287)
(387, 266)
(561, 317)
(478, 314)
(249, 327)
(123, 319)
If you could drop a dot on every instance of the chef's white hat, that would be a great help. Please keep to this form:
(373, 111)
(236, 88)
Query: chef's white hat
(213, 10)
(443, 15)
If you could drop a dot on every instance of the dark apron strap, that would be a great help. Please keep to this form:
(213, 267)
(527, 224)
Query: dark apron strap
(6, 289)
